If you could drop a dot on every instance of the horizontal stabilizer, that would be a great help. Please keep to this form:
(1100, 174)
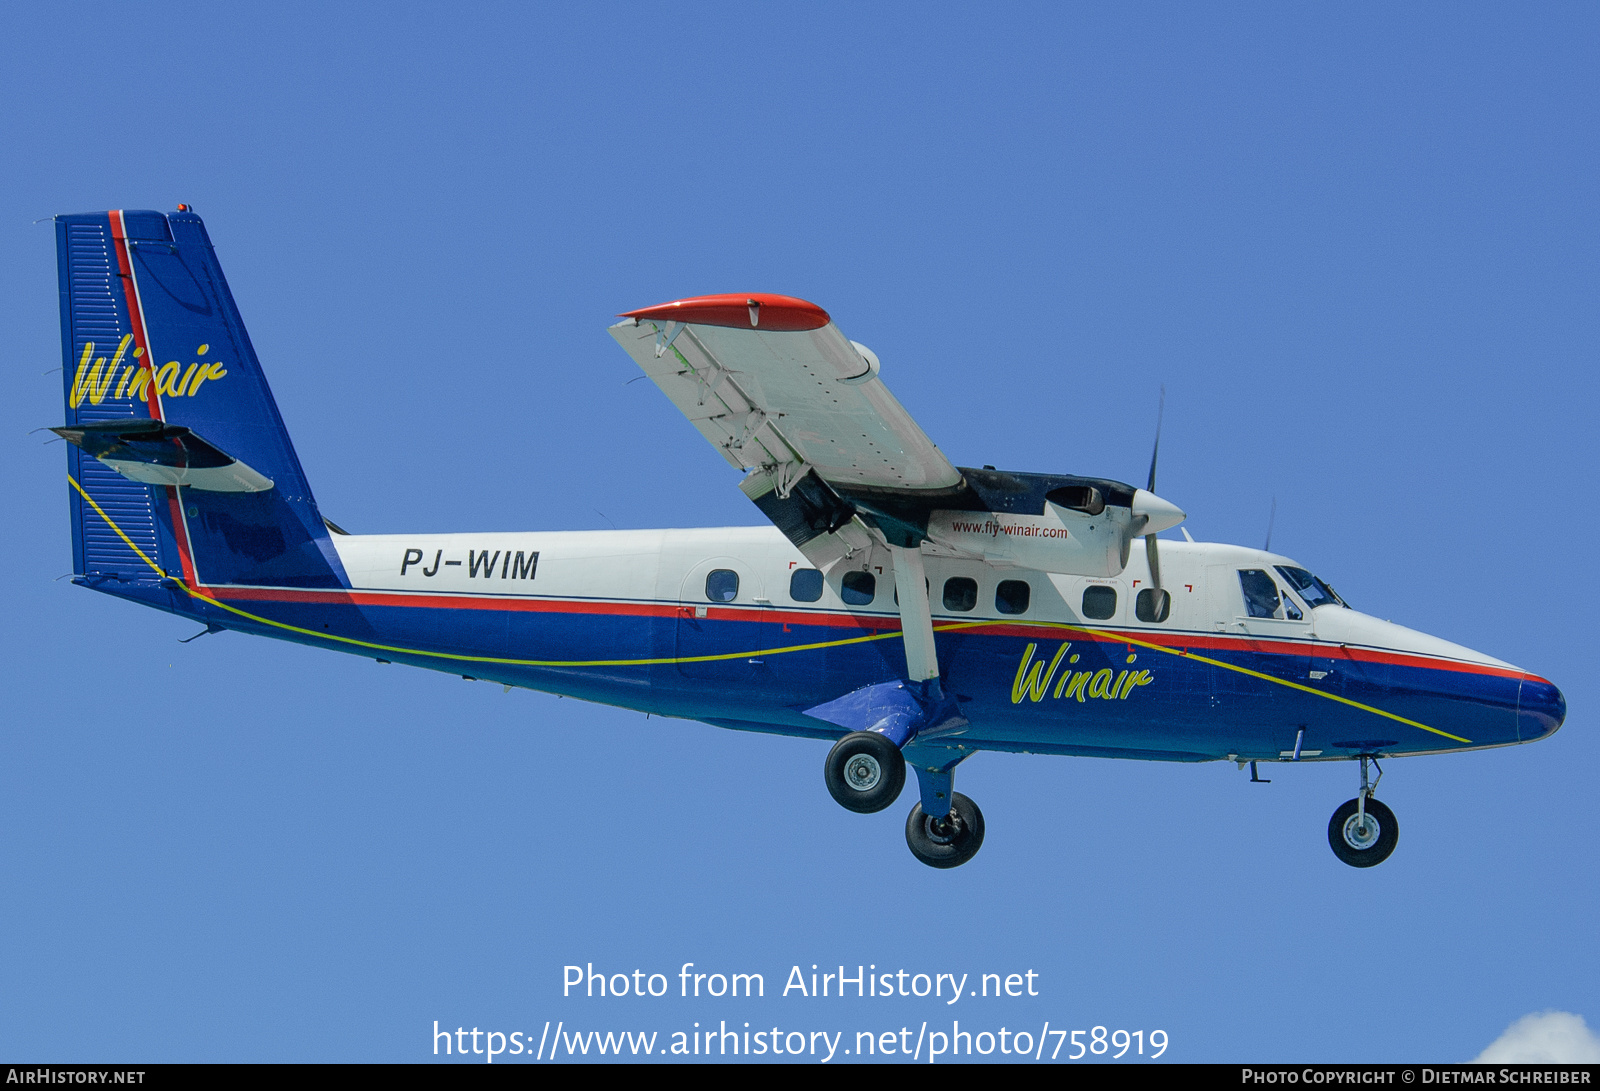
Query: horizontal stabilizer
(156, 453)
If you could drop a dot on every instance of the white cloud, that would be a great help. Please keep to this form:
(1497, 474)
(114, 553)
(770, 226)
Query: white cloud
(1550, 1037)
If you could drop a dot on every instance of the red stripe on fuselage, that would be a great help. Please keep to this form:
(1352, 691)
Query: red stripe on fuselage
(1178, 642)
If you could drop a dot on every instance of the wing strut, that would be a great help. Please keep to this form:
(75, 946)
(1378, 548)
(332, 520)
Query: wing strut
(940, 715)
(916, 616)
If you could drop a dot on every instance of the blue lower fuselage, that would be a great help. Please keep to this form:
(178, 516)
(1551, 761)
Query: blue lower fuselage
(1062, 687)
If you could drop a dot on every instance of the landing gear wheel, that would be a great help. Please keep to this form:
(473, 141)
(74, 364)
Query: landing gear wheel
(1363, 845)
(864, 772)
(946, 842)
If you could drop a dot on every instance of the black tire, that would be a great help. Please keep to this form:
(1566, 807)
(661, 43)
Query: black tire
(1348, 844)
(864, 772)
(947, 842)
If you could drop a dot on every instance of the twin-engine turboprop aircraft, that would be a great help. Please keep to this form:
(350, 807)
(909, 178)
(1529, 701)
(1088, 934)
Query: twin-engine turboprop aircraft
(909, 611)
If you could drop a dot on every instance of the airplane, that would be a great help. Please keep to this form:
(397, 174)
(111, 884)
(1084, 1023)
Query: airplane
(905, 610)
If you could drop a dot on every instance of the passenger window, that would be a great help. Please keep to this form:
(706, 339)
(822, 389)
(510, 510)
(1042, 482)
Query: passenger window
(960, 594)
(805, 585)
(1011, 597)
(722, 585)
(1260, 593)
(1153, 605)
(1099, 602)
(858, 588)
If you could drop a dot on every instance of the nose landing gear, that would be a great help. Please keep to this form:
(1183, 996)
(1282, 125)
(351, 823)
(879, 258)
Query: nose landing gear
(1363, 832)
(949, 841)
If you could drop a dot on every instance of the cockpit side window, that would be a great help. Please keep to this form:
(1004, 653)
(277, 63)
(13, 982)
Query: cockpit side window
(1260, 593)
(1314, 591)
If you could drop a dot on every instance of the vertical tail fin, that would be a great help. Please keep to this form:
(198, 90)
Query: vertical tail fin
(150, 334)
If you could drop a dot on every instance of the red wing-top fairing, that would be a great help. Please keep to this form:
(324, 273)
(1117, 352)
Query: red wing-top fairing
(908, 611)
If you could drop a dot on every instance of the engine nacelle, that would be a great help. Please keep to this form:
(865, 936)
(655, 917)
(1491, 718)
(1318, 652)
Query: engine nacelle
(1060, 540)
(1090, 538)
(1083, 526)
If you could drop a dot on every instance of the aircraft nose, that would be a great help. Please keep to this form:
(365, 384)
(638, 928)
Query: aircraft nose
(1540, 708)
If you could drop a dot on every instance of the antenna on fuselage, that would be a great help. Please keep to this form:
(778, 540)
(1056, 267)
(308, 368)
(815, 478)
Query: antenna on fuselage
(1271, 518)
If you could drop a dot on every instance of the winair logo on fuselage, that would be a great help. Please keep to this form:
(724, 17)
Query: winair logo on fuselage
(1034, 678)
(92, 382)
(480, 563)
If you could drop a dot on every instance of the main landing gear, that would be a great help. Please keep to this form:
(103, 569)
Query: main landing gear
(1363, 832)
(865, 772)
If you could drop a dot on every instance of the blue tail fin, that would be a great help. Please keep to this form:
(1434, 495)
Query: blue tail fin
(203, 484)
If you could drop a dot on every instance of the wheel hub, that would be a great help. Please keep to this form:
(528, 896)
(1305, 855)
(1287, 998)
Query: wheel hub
(943, 830)
(1361, 836)
(862, 772)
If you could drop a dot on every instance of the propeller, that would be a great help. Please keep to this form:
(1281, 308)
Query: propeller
(1152, 552)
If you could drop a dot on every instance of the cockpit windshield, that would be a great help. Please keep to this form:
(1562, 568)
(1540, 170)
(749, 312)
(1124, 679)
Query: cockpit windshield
(1314, 591)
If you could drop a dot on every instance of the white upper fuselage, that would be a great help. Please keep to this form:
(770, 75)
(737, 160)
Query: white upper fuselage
(671, 567)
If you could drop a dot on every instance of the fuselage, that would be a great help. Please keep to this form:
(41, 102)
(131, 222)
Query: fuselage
(733, 626)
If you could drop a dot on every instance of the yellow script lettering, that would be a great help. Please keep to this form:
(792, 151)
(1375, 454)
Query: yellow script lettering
(139, 385)
(1075, 687)
(165, 376)
(207, 371)
(88, 383)
(79, 389)
(1035, 683)
(1135, 680)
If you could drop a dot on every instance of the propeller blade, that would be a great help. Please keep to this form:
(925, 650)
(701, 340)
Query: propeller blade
(1161, 410)
(1152, 551)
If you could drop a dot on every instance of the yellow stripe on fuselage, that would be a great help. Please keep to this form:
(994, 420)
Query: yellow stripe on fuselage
(947, 627)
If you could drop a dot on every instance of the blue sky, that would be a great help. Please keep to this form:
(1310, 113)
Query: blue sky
(1357, 245)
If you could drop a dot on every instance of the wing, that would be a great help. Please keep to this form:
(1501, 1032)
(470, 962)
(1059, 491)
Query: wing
(774, 385)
